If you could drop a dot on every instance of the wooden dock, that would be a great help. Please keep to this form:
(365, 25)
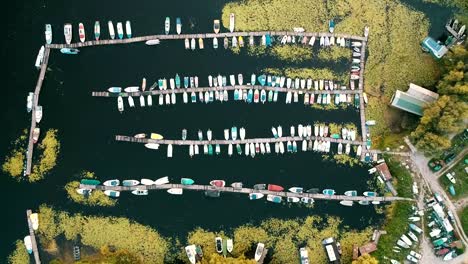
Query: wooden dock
(200, 35)
(29, 153)
(227, 142)
(315, 196)
(228, 88)
(362, 110)
(33, 238)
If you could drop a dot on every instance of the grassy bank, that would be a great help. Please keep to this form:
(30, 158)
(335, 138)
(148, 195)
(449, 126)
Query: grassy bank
(464, 219)
(14, 161)
(49, 149)
(461, 177)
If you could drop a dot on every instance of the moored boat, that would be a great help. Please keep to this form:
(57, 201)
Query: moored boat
(69, 51)
(130, 183)
(219, 244)
(274, 198)
(190, 250)
(307, 200)
(157, 41)
(175, 191)
(259, 251)
(128, 29)
(351, 193)
(167, 25)
(346, 203)
(132, 89)
(217, 183)
(81, 32)
(275, 188)
(216, 26)
(120, 32)
(231, 22)
(38, 114)
(152, 146)
(28, 244)
(147, 182)
(256, 196)
(296, 189)
(97, 30)
(328, 192)
(370, 194)
(112, 193)
(67, 31)
(186, 181)
(178, 26)
(114, 182)
(110, 26)
(140, 192)
(36, 133)
(48, 33)
(160, 181)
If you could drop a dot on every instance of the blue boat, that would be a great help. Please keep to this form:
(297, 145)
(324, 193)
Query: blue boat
(178, 25)
(186, 181)
(268, 40)
(452, 190)
(69, 51)
(115, 89)
(328, 192)
(210, 149)
(160, 83)
(249, 96)
(262, 79)
(236, 94)
(331, 26)
(273, 81)
(177, 80)
(211, 96)
(274, 198)
(370, 194)
(186, 82)
(194, 97)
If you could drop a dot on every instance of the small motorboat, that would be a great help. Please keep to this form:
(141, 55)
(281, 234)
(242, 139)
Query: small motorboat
(130, 182)
(293, 200)
(186, 181)
(128, 29)
(97, 30)
(219, 244)
(256, 196)
(296, 189)
(167, 25)
(259, 251)
(216, 26)
(275, 188)
(161, 181)
(28, 244)
(175, 191)
(112, 193)
(81, 32)
(229, 245)
(217, 183)
(111, 183)
(147, 182)
(140, 192)
(110, 26)
(178, 26)
(307, 200)
(231, 22)
(69, 51)
(328, 192)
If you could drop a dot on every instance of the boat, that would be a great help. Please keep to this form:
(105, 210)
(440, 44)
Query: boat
(67, 31)
(156, 136)
(216, 26)
(370, 194)
(97, 30)
(217, 183)
(307, 200)
(331, 26)
(259, 251)
(415, 254)
(69, 51)
(274, 198)
(192, 44)
(111, 29)
(190, 250)
(237, 185)
(366, 31)
(29, 102)
(256, 196)
(48, 33)
(38, 115)
(178, 26)
(450, 178)
(328, 192)
(161, 181)
(215, 43)
(405, 239)
(147, 182)
(402, 244)
(351, 193)
(296, 189)
(347, 203)
(140, 192)
(152, 146)
(275, 188)
(293, 199)
(36, 133)
(130, 182)
(199, 251)
(260, 186)
(415, 228)
(442, 252)
(234, 133)
(176, 191)
(450, 255)
(411, 259)
(304, 256)
(28, 244)
(112, 193)
(200, 43)
(414, 218)
(120, 32)
(186, 181)
(114, 182)
(128, 29)
(156, 42)
(231, 22)
(234, 42)
(226, 42)
(34, 217)
(413, 236)
(167, 25)
(229, 245)
(219, 244)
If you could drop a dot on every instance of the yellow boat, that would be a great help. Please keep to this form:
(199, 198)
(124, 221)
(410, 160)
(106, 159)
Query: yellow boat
(156, 136)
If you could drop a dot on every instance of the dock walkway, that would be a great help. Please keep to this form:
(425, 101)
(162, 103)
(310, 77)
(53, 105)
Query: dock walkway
(315, 196)
(227, 142)
(33, 238)
(37, 91)
(200, 35)
(362, 109)
(228, 88)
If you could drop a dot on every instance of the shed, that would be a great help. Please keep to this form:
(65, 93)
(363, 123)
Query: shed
(383, 170)
(413, 100)
(368, 248)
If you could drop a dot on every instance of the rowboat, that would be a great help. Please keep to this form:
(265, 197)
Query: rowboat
(48, 33)
(218, 183)
(175, 191)
(111, 183)
(81, 32)
(275, 188)
(346, 203)
(110, 26)
(219, 244)
(97, 30)
(120, 32)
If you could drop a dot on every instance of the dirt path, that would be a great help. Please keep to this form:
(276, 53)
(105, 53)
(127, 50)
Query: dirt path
(454, 162)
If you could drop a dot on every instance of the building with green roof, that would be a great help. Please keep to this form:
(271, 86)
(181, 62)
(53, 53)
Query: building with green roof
(414, 99)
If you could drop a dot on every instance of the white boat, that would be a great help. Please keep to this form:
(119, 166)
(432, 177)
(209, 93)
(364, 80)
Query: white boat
(402, 244)
(120, 32)
(40, 57)
(120, 104)
(132, 89)
(293, 199)
(413, 236)
(140, 192)
(150, 100)
(152, 145)
(112, 193)
(161, 181)
(190, 250)
(111, 29)
(280, 131)
(175, 191)
(232, 80)
(414, 219)
(405, 239)
(67, 31)
(450, 177)
(147, 182)
(28, 244)
(242, 134)
(229, 245)
(152, 42)
(231, 22)
(114, 182)
(415, 254)
(259, 251)
(128, 29)
(240, 79)
(34, 217)
(449, 255)
(411, 259)
(192, 44)
(169, 151)
(38, 114)
(142, 101)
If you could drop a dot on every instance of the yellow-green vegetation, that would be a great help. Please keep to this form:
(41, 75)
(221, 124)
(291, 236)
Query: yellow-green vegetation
(464, 218)
(292, 53)
(334, 53)
(14, 162)
(96, 198)
(394, 38)
(305, 73)
(19, 255)
(447, 115)
(346, 160)
(284, 237)
(98, 232)
(50, 148)
(365, 259)
(461, 183)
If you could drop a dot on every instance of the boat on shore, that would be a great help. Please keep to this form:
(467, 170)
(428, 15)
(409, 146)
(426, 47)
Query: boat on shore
(178, 26)
(304, 256)
(216, 26)
(274, 198)
(217, 183)
(275, 188)
(36, 133)
(231, 22)
(259, 251)
(38, 114)
(81, 32)
(69, 51)
(219, 244)
(128, 29)
(110, 26)
(190, 250)
(48, 33)
(112, 193)
(175, 191)
(167, 25)
(97, 30)
(120, 32)
(67, 31)
(140, 192)
(229, 245)
(114, 182)
(256, 196)
(28, 244)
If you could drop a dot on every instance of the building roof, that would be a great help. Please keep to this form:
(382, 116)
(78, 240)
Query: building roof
(414, 99)
(368, 248)
(383, 170)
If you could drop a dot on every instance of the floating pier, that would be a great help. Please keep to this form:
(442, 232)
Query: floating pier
(227, 142)
(33, 238)
(37, 91)
(362, 110)
(200, 35)
(222, 88)
(315, 196)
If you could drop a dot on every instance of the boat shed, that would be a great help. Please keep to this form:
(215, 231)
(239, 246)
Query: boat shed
(414, 99)
(331, 249)
(384, 172)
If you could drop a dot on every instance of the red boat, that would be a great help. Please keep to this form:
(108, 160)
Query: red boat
(275, 188)
(312, 99)
(218, 183)
(442, 252)
(81, 32)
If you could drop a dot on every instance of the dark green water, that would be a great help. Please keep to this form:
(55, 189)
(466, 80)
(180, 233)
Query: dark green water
(87, 125)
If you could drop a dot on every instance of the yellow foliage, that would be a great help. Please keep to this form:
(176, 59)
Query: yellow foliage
(96, 198)
(13, 164)
(19, 255)
(50, 147)
(366, 259)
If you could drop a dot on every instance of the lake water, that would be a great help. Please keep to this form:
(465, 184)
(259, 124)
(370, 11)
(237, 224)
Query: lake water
(87, 125)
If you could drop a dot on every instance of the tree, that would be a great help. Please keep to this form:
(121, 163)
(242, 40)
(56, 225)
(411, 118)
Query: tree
(433, 144)
(366, 259)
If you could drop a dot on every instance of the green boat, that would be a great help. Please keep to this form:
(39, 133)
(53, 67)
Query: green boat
(90, 182)
(210, 149)
(199, 251)
(224, 247)
(239, 149)
(186, 181)
(335, 136)
(177, 80)
(356, 100)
